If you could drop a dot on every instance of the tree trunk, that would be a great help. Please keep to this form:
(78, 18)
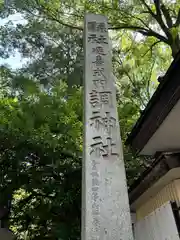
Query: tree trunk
(175, 46)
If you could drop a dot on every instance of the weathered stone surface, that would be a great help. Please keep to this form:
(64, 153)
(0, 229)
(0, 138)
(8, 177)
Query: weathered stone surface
(105, 204)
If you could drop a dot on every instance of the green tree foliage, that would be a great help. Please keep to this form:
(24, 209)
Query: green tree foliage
(159, 19)
(41, 147)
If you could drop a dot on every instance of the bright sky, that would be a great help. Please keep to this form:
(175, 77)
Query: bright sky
(14, 61)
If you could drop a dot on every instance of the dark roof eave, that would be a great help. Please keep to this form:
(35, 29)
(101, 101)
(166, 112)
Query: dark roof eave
(163, 86)
(163, 163)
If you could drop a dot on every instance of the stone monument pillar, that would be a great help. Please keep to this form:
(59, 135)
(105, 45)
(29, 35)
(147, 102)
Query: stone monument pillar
(105, 204)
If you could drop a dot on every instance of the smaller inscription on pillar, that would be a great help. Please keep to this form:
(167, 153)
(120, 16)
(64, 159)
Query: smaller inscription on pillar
(97, 27)
(99, 50)
(95, 197)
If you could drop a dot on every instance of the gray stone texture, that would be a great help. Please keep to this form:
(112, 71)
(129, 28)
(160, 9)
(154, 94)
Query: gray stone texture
(105, 204)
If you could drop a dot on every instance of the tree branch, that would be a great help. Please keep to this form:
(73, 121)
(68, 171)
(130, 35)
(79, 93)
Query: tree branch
(148, 8)
(157, 6)
(158, 17)
(49, 13)
(178, 20)
(160, 21)
(130, 27)
(167, 16)
(132, 82)
(143, 31)
(151, 48)
(65, 24)
(154, 34)
(149, 79)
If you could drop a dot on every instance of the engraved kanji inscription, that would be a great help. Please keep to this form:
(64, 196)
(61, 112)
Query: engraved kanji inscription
(110, 148)
(94, 98)
(95, 209)
(96, 227)
(91, 26)
(102, 40)
(98, 50)
(95, 196)
(97, 99)
(103, 163)
(96, 222)
(97, 27)
(99, 61)
(95, 174)
(101, 27)
(100, 83)
(94, 165)
(95, 189)
(98, 148)
(95, 238)
(95, 182)
(108, 122)
(105, 97)
(93, 38)
(98, 72)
